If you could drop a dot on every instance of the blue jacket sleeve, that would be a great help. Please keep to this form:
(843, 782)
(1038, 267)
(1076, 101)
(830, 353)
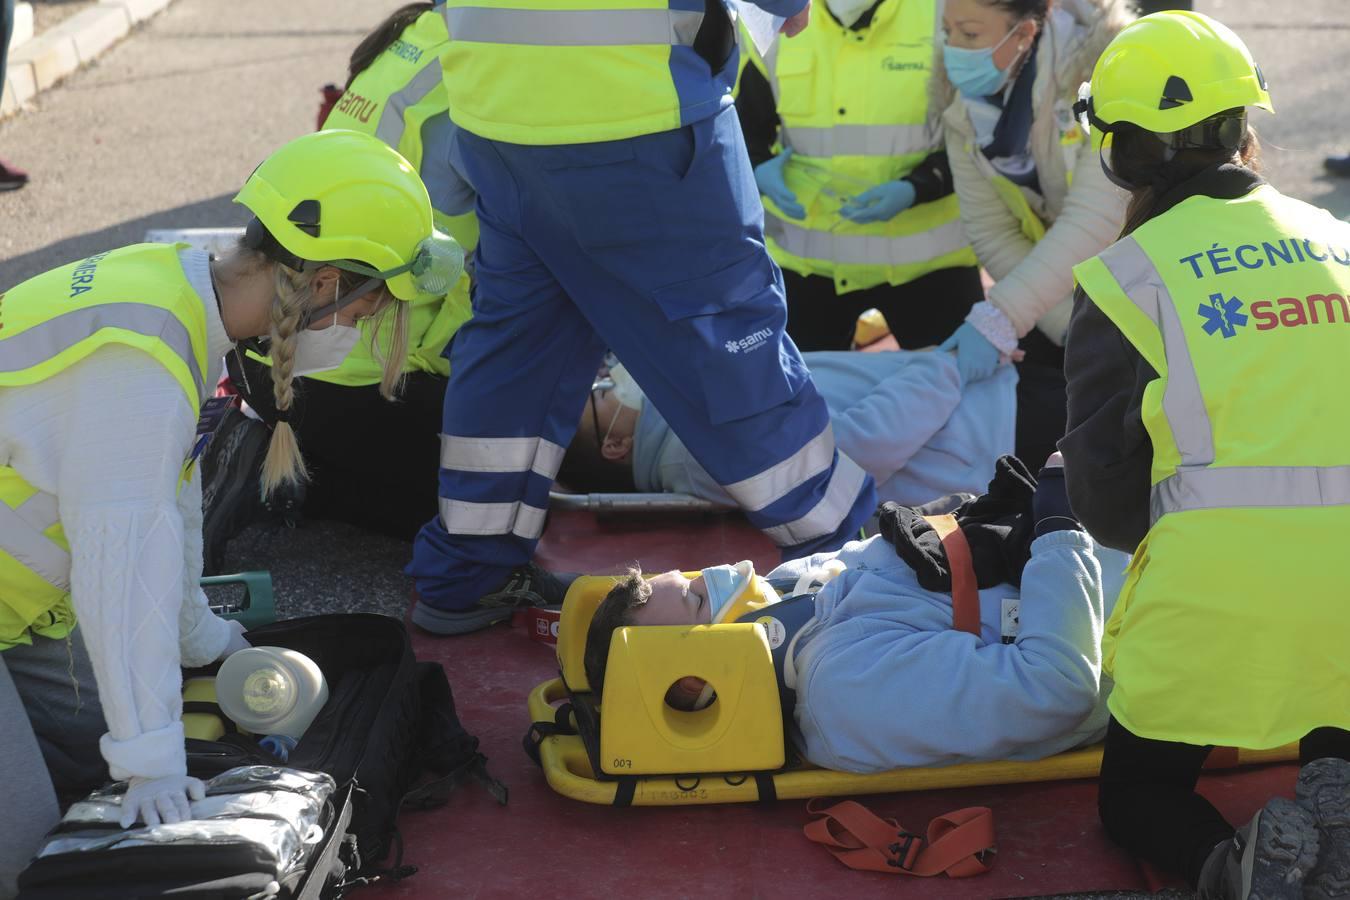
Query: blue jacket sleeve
(882, 429)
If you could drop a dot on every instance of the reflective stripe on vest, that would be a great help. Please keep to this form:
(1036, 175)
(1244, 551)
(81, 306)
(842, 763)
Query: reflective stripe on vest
(392, 122)
(573, 27)
(865, 249)
(779, 480)
(826, 516)
(481, 454)
(56, 335)
(858, 140)
(853, 108)
(1195, 485)
(22, 537)
(465, 517)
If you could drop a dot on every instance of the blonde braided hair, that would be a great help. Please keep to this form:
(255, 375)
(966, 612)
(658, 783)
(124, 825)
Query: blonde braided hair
(294, 295)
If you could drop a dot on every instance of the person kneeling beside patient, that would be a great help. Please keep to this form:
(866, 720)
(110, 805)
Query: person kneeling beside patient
(881, 678)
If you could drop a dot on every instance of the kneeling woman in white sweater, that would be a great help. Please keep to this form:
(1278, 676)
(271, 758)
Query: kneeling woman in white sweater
(104, 364)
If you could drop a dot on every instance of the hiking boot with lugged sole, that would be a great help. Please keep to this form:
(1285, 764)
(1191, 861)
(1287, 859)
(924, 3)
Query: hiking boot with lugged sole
(526, 586)
(1267, 859)
(1324, 791)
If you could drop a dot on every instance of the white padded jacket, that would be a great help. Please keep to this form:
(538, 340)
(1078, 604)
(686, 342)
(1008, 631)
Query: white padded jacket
(1033, 281)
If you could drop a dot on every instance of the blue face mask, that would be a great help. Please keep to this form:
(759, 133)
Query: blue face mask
(973, 72)
(725, 584)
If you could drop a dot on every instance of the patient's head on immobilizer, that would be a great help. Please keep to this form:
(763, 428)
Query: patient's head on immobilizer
(665, 599)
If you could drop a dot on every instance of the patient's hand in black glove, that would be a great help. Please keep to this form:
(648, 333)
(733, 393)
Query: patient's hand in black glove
(1050, 504)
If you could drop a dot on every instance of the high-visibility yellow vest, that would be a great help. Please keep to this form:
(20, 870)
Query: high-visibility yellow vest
(137, 296)
(853, 106)
(1231, 628)
(392, 99)
(577, 71)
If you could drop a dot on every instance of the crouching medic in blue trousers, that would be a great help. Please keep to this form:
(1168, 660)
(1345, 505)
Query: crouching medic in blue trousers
(617, 208)
(873, 674)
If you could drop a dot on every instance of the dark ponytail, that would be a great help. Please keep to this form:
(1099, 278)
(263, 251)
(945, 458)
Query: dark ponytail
(1139, 158)
(379, 40)
(1022, 9)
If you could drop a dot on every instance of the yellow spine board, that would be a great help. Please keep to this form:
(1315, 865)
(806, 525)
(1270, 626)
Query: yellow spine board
(568, 771)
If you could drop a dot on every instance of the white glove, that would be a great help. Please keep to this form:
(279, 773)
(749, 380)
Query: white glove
(237, 640)
(160, 800)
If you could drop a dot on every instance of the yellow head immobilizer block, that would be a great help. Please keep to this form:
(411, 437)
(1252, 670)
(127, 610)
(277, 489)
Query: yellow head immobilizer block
(741, 731)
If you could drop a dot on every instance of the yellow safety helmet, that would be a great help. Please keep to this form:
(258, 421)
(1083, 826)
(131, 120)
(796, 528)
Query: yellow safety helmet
(347, 199)
(1174, 73)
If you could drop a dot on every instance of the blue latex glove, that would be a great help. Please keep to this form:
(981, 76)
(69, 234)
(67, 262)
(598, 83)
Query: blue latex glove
(769, 178)
(879, 204)
(976, 358)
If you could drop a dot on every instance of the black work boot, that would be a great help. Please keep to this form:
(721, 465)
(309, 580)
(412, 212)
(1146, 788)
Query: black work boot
(1324, 791)
(1267, 859)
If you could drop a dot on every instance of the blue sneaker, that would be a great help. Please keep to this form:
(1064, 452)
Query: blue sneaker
(526, 586)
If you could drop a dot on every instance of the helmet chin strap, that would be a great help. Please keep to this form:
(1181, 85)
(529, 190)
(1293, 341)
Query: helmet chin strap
(356, 293)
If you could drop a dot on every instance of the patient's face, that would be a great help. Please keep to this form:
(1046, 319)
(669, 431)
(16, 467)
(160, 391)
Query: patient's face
(675, 600)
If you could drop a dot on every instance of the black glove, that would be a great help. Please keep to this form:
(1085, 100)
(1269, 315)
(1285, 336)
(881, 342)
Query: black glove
(1050, 504)
(998, 527)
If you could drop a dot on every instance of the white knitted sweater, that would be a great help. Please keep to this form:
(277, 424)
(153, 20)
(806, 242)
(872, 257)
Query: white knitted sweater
(108, 437)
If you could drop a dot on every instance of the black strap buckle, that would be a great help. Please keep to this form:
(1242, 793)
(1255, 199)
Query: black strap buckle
(900, 850)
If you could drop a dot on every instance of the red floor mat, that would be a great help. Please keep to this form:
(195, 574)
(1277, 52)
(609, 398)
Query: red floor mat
(544, 845)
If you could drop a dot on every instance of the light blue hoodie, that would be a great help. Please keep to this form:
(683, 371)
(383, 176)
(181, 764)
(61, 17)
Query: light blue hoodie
(903, 416)
(883, 681)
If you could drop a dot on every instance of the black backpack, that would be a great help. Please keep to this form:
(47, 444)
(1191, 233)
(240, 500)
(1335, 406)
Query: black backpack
(388, 721)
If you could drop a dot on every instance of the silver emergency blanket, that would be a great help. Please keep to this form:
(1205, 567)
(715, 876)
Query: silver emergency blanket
(278, 810)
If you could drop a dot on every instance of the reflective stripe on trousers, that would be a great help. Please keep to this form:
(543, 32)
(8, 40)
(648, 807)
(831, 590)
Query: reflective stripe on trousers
(21, 536)
(497, 455)
(484, 454)
(392, 125)
(774, 483)
(859, 140)
(465, 517)
(1197, 483)
(826, 516)
(59, 333)
(573, 27)
(864, 249)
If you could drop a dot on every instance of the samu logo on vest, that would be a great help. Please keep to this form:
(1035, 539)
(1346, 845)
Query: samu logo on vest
(1224, 316)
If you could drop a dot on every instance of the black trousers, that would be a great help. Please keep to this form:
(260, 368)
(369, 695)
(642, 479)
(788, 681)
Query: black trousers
(372, 463)
(1152, 6)
(920, 313)
(1147, 799)
(1042, 404)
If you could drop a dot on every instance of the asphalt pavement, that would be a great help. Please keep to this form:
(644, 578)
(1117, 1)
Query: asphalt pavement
(163, 128)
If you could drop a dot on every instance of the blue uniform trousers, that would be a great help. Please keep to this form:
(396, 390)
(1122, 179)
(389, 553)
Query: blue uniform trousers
(653, 247)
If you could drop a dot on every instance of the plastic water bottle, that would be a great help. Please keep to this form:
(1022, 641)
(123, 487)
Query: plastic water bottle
(271, 691)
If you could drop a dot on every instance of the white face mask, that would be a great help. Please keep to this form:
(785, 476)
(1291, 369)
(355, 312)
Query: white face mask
(324, 349)
(626, 390)
(849, 11)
